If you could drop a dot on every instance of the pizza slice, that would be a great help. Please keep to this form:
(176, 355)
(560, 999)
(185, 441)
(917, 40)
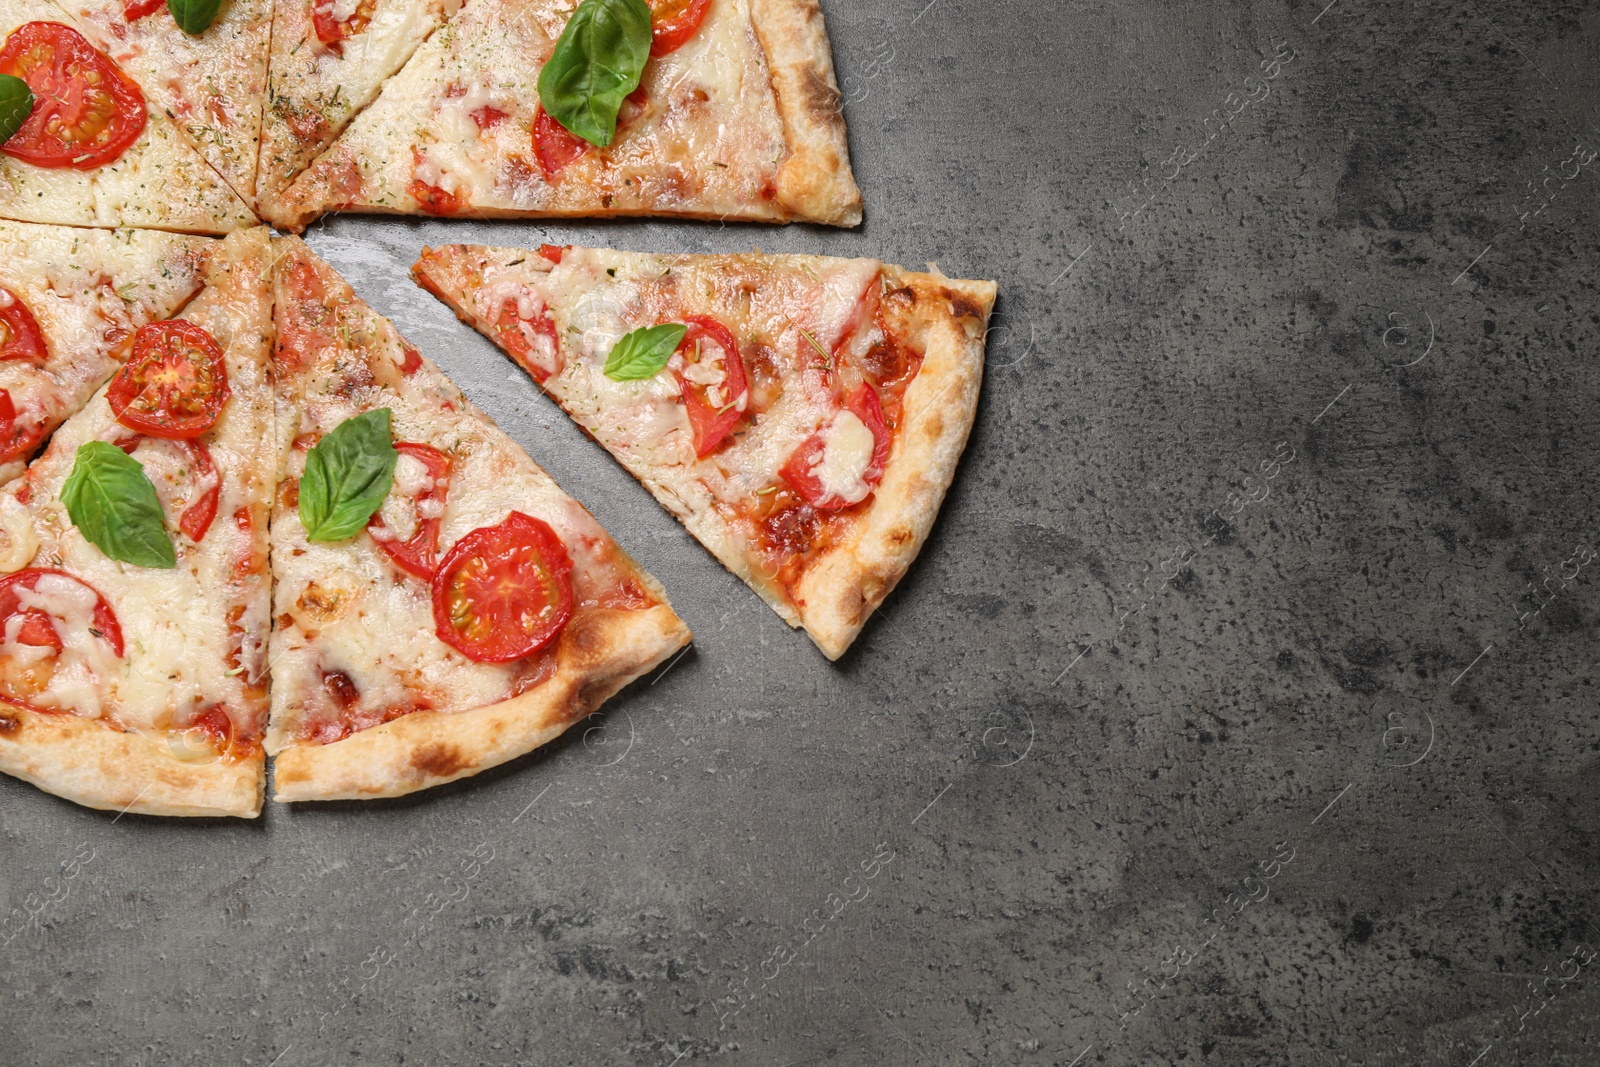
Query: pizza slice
(441, 605)
(134, 605)
(329, 59)
(94, 150)
(211, 82)
(70, 302)
(526, 108)
(802, 415)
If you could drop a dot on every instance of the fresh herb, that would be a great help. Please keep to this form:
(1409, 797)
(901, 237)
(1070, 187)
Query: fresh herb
(194, 16)
(595, 65)
(642, 353)
(827, 360)
(110, 500)
(348, 473)
(16, 104)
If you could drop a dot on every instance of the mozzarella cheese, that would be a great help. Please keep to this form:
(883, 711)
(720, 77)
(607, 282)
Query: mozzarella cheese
(847, 446)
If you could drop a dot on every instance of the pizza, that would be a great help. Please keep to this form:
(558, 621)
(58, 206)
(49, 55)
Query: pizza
(467, 612)
(802, 415)
(329, 59)
(95, 150)
(70, 302)
(526, 108)
(211, 83)
(134, 599)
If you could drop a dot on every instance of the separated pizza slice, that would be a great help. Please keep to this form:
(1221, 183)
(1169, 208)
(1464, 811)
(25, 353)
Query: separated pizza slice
(441, 605)
(803, 416)
(329, 59)
(70, 302)
(517, 108)
(134, 606)
(96, 149)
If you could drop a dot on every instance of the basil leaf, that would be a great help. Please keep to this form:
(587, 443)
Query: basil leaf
(642, 353)
(16, 104)
(596, 63)
(193, 16)
(112, 503)
(348, 473)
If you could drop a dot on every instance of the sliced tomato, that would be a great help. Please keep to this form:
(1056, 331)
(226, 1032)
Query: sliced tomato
(175, 383)
(846, 478)
(712, 380)
(532, 341)
(39, 626)
(551, 252)
(215, 726)
(332, 31)
(19, 331)
(135, 10)
(412, 362)
(16, 442)
(488, 117)
(202, 506)
(503, 592)
(673, 22)
(431, 198)
(419, 554)
(86, 111)
(554, 145)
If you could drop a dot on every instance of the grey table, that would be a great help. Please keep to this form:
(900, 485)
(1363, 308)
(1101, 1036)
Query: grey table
(1241, 708)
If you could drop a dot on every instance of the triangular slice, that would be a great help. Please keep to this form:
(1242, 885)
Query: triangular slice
(805, 428)
(329, 59)
(70, 301)
(478, 614)
(736, 117)
(211, 84)
(96, 150)
(129, 686)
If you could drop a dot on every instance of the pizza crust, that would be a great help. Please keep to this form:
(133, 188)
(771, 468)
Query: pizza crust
(94, 764)
(600, 653)
(846, 584)
(815, 182)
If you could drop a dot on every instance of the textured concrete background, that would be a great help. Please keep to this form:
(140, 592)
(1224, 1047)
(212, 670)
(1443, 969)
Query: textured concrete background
(1240, 710)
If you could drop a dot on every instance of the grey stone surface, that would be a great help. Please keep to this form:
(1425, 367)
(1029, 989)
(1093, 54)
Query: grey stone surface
(1214, 725)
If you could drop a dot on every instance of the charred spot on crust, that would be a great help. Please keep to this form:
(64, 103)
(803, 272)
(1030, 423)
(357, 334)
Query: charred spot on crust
(10, 725)
(437, 759)
(821, 99)
(899, 537)
(963, 306)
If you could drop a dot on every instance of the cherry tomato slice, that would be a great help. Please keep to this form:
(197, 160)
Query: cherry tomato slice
(712, 380)
(39, 626)
(431, 198)
(331, 31)
(503, 592)
(673, 22)
(86, 111)
(806, 469)
(196, 518)
(175, 383)
(15, 441)
(552, 253)
(135, 10)
(418, 555)
(553, 145)
(532, 341)
(19, 331)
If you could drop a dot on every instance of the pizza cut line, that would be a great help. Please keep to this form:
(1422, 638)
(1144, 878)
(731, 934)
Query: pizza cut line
(802, 415)
(279, 530)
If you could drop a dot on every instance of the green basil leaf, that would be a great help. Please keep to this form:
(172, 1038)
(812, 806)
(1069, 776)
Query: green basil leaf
(193, 16)
(348, 473)
(596, 63)
(642, 353)
(112, 503)
(16, 104)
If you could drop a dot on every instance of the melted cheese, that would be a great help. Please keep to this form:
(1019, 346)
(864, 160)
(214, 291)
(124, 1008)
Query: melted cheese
(847, 446)
(86, 289)
(708, 141)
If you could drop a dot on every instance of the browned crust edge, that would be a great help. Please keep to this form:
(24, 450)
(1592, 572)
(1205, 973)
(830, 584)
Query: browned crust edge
(815, 183)
(846, 584)
(429, 748)
(99, 766)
